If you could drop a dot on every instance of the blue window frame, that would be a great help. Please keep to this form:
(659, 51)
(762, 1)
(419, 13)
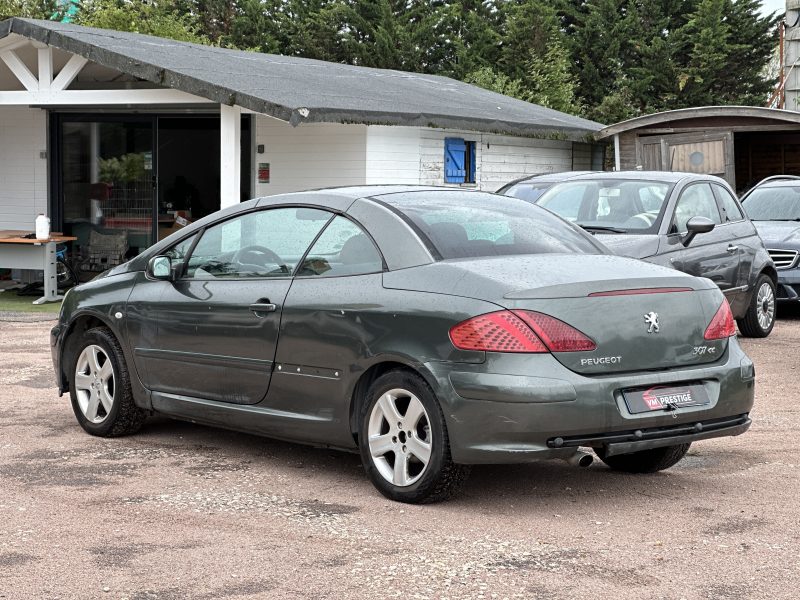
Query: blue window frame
(459, 161)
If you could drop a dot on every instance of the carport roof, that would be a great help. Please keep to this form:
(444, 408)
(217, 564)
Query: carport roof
(672, 116)
(300, 90)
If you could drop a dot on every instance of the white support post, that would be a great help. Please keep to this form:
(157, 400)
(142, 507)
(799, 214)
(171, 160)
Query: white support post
(230, 148)
(45, 68)
(617, 157)
(20, 70)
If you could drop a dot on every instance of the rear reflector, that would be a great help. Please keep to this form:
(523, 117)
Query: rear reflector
(556, 335)
(519, 331)
(722, 325)
(496, 332)
(637, 291)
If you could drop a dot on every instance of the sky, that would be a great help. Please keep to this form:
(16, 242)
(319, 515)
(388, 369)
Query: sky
(770, 6)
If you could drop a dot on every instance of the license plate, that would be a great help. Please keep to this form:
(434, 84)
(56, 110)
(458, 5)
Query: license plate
(665, 397)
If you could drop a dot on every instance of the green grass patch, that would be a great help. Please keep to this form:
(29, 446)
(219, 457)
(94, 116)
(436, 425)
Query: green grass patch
(9, 301)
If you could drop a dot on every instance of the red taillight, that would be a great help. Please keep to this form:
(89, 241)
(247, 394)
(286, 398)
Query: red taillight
(518, 331)
(556, 335)
(722, 325)
(496, 332)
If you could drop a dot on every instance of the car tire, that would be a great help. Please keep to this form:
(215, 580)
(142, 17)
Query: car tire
(401, 419)
(645, 461)
(759, 319)
(100, 387)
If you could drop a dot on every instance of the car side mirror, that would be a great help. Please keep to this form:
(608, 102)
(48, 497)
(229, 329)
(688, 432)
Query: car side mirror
(160, 267)
(696, 225)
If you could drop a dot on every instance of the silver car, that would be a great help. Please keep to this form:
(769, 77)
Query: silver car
(692, 223)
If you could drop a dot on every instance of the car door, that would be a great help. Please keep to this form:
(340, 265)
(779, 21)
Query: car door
(742, 233)
(714, 255)
(217, 325)
(331, 319)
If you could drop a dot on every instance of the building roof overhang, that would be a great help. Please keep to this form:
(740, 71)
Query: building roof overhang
(299, 90)
(771, 115)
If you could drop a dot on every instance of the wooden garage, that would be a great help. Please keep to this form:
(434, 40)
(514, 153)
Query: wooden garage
(742, 144)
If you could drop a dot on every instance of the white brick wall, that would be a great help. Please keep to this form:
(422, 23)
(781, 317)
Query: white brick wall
(310, 156)
(23, 173)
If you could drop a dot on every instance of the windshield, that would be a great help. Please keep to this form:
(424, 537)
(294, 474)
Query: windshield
(617, 206)
(773, 204)
(527, 191)
(472, 224)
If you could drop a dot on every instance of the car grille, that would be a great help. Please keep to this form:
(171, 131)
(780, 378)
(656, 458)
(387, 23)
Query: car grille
(783, 259)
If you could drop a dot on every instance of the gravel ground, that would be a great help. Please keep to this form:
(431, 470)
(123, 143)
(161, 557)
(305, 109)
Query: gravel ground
(184, 511)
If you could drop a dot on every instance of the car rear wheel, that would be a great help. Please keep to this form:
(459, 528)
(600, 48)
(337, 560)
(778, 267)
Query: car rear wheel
(403, 441)
(645, 461)
(100, 387)
(759, 319)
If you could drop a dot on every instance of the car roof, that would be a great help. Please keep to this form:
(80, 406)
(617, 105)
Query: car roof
(549, 177)
(324, 196)
(779, 183)
(665, 176)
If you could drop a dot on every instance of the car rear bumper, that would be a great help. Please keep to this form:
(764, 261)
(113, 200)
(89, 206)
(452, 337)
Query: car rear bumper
(517, 417)
(623, 442)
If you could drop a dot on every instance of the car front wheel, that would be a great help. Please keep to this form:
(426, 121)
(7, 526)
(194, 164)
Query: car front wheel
(403, 441)
(100, 387)
(759, 319)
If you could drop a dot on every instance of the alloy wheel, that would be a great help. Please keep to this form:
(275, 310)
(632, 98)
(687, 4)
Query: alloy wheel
(399, 437)
(765, 306)
(94, 383)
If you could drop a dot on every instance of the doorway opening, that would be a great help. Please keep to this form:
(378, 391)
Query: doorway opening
(121, 182)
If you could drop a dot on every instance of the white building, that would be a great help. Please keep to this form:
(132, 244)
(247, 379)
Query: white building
(108, 131)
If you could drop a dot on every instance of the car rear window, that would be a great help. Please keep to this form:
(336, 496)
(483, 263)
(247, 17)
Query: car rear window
(475, 224)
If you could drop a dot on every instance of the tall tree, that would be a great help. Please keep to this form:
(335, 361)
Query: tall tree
(140, 16)
(32, 9)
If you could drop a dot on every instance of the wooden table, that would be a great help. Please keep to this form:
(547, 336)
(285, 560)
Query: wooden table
(18, 252)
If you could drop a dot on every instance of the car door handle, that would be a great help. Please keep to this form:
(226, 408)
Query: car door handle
(263, 307)
(732, 248)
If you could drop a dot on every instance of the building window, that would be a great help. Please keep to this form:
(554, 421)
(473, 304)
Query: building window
(459, 161)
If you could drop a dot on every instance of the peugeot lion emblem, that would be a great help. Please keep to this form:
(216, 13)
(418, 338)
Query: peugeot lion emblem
(651, 319)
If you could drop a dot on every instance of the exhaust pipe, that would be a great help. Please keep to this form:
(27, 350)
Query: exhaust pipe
(580, 459)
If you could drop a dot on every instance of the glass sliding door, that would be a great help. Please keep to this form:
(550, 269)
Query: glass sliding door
(121, 182)
(107, 186)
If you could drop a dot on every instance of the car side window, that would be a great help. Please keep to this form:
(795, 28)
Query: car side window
(342, 249)
(730, 208)
(697, 200)
(179, 251)
(266, 243)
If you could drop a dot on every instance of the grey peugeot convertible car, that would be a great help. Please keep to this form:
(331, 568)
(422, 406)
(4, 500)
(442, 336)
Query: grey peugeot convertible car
(429, 329)
(691, 223)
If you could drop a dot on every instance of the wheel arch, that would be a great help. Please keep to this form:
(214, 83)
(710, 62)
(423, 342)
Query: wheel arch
(770, 271)
(368, 377)
(80, 323)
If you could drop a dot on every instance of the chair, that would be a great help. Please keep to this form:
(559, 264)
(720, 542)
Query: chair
(105, 250)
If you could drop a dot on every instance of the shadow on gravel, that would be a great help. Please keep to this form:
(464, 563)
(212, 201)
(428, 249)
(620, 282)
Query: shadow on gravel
(788, 312)
(497, 486)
